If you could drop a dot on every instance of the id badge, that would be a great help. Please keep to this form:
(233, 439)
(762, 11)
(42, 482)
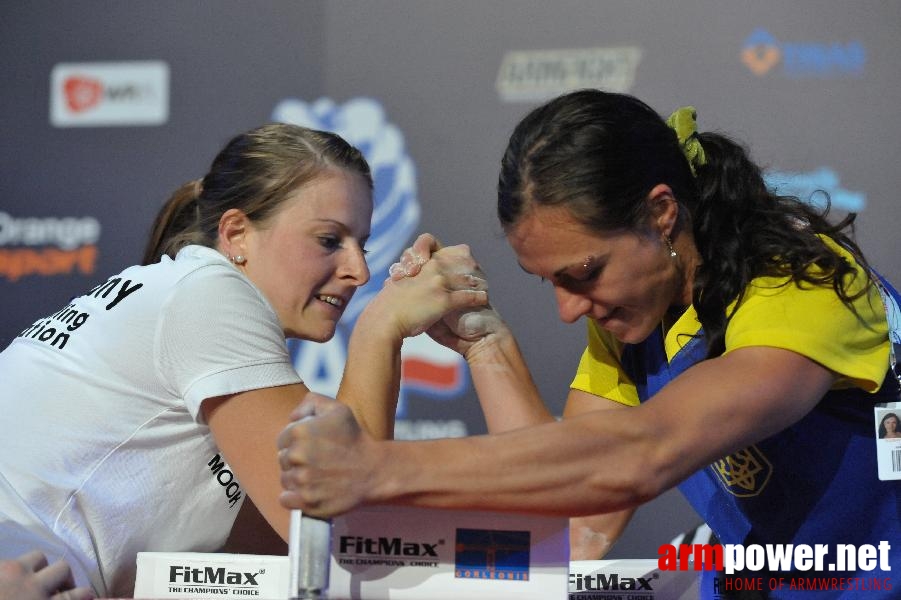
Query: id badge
(888, 440)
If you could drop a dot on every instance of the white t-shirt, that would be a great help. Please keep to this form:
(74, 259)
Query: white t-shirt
(103, 448)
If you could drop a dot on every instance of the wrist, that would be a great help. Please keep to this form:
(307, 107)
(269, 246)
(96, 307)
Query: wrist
(377, 328)
(491, 349)
(390, 473)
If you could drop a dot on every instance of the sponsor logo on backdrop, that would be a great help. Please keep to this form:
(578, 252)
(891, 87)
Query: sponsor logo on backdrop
(107, 94)
(816, 187)
(492, 554)
(429, 368)
(356, 550)
(212, 576)
(583, 585)
(47, 246)
(538, 75)
(764, 55)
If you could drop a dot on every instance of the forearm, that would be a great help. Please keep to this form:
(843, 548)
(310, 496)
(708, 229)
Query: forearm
(609, 460)
(371, 380)
(581, 466)
(597, 462)
(591, 537)
(504, 385)
(402, 309)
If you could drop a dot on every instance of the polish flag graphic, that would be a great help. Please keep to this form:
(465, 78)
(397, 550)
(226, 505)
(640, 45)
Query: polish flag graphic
(430, 367)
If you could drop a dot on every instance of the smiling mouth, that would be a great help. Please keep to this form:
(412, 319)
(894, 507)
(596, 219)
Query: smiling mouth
(333, 300)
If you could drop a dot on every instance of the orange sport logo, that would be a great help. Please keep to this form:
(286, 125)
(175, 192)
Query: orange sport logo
(47, 246)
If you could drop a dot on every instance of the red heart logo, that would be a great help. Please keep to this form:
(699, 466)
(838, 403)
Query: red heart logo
(82, 93)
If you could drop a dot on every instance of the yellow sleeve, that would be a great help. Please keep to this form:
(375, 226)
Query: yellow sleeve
(600, 372)
(813, 321)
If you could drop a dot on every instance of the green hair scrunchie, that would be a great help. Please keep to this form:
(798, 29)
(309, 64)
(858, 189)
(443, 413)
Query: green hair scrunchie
(684, 122)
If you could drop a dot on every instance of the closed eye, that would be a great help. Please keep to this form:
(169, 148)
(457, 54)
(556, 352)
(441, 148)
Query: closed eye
(570, 282)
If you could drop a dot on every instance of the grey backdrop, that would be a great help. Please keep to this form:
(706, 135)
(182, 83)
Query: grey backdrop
(433, 67)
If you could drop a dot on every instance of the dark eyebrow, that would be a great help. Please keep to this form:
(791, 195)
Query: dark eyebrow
(590, 261)
(586, 264)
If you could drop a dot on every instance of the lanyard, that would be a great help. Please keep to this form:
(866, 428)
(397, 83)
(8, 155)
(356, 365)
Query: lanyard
(893, 316)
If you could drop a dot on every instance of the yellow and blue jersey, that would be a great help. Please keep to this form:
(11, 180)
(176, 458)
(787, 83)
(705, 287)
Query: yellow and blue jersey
(815, 482)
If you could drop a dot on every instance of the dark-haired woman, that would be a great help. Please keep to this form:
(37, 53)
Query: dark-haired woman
(143, 414)
(737, 347)
(888, 427)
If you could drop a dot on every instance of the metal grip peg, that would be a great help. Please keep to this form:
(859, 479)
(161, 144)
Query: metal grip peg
(309, 555)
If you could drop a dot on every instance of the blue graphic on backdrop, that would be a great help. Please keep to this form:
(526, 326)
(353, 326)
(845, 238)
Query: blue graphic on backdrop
(813, 187)
(427, 366)
(761, 53)
(492, 554)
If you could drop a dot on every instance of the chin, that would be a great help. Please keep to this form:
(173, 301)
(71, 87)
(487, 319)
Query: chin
(630, 338)
(319, 335)
(322, 337)
(631, 335)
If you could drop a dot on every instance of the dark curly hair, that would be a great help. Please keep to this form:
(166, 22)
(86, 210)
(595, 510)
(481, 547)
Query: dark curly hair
(599, 154)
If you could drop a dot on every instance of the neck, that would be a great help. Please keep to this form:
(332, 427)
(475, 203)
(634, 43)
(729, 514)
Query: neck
(687, 262)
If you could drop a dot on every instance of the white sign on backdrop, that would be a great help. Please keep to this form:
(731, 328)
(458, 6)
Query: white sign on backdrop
(106, 94)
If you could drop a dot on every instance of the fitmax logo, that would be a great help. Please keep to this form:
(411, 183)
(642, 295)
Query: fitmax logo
(609, 583)
(209, 576)
(383, 546)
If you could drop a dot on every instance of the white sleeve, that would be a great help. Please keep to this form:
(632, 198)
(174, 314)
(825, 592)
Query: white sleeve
(217, 335)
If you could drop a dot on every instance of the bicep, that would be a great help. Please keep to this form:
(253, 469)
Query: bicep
(712, 409)
(727, 403)
(245, 427)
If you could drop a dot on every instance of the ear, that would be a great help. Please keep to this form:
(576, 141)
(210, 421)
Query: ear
(664, 209)
(233, 228)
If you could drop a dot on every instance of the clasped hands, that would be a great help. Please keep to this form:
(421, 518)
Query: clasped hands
(461, 326)
(330, 464)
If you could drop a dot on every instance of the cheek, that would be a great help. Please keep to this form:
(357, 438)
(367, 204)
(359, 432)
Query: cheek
(628, 287)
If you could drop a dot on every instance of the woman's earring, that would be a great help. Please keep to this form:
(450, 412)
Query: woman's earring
(237, 259)
(669, 244)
